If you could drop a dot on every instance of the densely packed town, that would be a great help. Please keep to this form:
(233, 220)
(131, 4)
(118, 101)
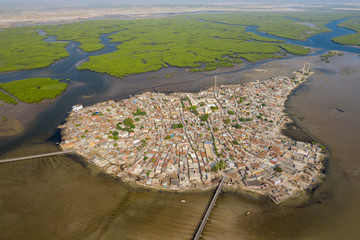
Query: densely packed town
(189, 140)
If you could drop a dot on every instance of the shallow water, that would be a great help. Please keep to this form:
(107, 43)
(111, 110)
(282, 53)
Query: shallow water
(61, 197)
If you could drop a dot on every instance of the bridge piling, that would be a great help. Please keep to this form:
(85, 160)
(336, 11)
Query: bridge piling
(208, 211)
(34, 156)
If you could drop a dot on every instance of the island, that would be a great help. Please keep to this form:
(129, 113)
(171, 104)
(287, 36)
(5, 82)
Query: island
(186, 141)
(31, 90)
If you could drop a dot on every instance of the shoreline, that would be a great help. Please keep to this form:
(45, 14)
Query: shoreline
(27, 113)
(32, 17)
(127, 176)
(227, 188)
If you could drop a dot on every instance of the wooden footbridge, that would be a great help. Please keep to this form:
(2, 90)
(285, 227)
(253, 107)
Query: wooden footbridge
(34, 156)
(209, 209)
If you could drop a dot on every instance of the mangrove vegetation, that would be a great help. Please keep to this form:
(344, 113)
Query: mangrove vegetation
(351, 39)
(151, 44)
(200, 42)
(32, 90)
(23, 49)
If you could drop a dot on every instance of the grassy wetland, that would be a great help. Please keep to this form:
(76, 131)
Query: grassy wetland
(25, 49)
(7, 98)
(200, 42)
(87, 32)
(294, 25)
(351, 39)
(32, 90)
(184, 42)
(146, 45)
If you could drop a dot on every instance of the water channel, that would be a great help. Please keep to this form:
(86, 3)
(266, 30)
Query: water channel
(64, 198)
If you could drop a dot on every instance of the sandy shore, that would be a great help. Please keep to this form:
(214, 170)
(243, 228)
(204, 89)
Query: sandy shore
(47, 16)
(40, 15)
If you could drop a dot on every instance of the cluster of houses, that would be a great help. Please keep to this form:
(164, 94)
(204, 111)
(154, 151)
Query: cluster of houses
(187, 141)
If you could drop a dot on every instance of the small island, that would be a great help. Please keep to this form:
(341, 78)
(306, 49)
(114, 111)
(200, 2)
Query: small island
(31, 90)
(186, 141)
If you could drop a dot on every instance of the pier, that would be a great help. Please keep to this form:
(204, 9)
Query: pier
(34, 156)
(209, 209)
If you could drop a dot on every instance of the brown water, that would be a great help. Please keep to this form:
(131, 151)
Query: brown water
(61, 198)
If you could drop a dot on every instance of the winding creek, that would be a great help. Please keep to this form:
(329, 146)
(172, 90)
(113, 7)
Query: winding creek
(62, 196)
(322, 41)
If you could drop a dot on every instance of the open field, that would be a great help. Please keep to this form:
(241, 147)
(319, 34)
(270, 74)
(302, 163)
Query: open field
(25, 49)
(34, 90)
(352, 39)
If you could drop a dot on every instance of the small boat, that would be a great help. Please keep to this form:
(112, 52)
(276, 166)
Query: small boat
(183, 200)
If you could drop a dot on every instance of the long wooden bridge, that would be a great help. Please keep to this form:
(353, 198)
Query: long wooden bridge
(209, 209)
(34, 156)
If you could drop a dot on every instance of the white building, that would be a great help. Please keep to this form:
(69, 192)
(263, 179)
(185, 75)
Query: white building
(77, 107)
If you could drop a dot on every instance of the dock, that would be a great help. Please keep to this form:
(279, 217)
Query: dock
(34, 156)
(209, 209)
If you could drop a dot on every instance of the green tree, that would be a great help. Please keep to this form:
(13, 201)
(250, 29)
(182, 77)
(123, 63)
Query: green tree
(237, 126)
(222, 165)
(129, 122)
(215, 168)
(219, 166)
(139, 112)
(205, 117)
